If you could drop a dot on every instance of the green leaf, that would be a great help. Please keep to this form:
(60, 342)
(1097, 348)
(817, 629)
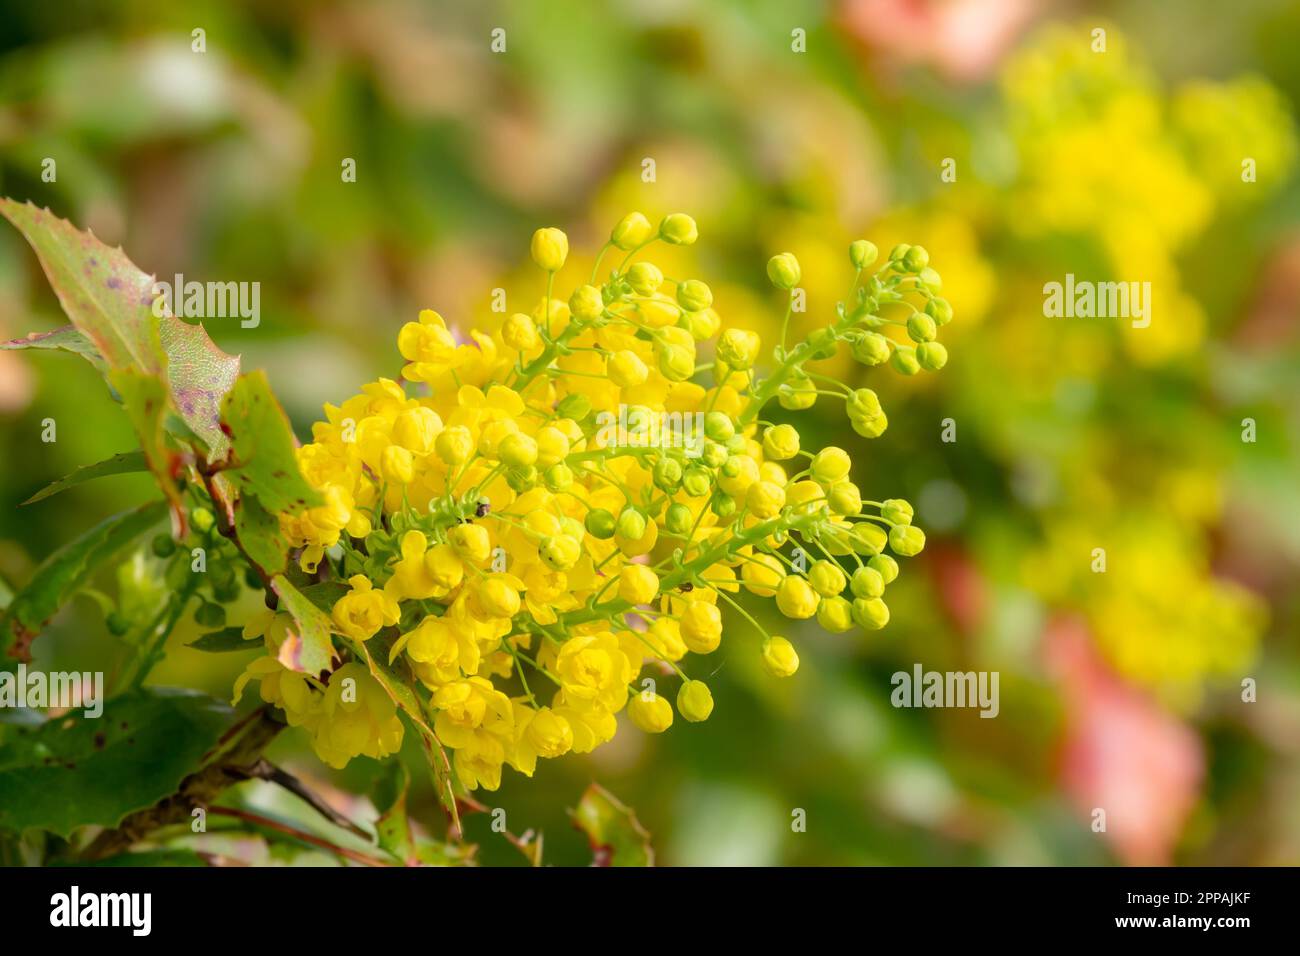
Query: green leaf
(107, 298)
(65, 339)
(144, 397)
(259, 533)
(225, 640)
(307, 647)
(617, 837)
(199, 376)
(399, 690)
(265, 462)
(75, 770)
(393, 828)
(124, 464)
(65, 571)
(111, 304)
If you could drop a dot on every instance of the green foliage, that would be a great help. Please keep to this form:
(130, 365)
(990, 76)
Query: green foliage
(123, 464)
(66, 571)
(74, 770)
(616, 836)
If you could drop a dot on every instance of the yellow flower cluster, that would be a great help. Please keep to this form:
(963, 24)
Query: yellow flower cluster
(1159, 616)
(537, 514)
(1069, 102)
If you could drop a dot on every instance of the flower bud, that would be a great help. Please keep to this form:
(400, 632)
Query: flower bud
(517, 450)
(830, 465)
(644, 278)
(779, 657)
(835, 614)
(695, 701)
(826, 578)
(870, 613)
(558, 477)
(552, 446)
(599, 523)
(906, 540)
(696, 482)
(739, 348)
(940, 310)
(637, 584)
(703, 324)
(648, 710)
(764, 499)
(397, 465)
(868, 538)
(701, 625)
(931, 356)
(904, 361)
(886, 565)
(916, 258)
(679, 229)
(693, 295)
(550, 247)
(559, 552)
(896, 510)
(631, 524)
(921, 328)
(586, 303)
(783, 270)
(845, 498)
(795, 598)
(633, 230)
(626, 369)
(862, 253)
(679, 519)
(872, 427)
(519, 332)
(781, 442)
(718, 426)
(471, 542)
(667, 474)
(797, 393)
(871, 348)
(867, 582)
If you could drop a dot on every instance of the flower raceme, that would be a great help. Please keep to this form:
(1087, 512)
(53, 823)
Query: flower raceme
(527, 562)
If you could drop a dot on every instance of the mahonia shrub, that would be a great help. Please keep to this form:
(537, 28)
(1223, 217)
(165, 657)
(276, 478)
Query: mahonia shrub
(523, 523)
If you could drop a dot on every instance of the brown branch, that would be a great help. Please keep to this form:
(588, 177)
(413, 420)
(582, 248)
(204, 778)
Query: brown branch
(303, 835)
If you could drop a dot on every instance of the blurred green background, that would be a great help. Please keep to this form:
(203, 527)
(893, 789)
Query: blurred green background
(1120, 690)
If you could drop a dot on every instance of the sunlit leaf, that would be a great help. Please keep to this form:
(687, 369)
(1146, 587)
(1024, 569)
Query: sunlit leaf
(617, 838)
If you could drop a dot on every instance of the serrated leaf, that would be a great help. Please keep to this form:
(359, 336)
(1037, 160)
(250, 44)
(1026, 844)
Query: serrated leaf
(75, 771)
(199, 376)
(126, 463)
(226, 640)
(616, 836)
(107, 298)
(64, 339)
(65, 571)
(114, 323)
(263, 447)
(307, 647)
(144, 398)
(259, 533)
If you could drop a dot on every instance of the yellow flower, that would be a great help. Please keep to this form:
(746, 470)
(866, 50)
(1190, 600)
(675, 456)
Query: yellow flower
(361, 612)
(594, 672)
(637, 584)
(550, 247)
